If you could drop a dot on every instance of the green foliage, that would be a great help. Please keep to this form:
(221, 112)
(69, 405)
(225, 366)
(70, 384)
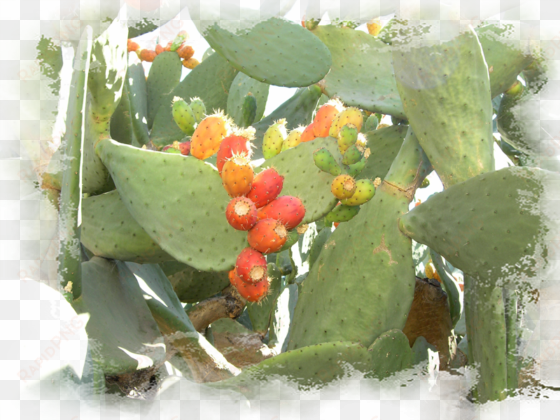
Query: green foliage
(49, 57)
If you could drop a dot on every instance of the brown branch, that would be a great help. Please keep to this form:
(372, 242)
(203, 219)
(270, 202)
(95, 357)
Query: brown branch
(229, 305)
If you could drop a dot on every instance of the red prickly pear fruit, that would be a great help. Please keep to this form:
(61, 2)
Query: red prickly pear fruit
(253, 292)
(237, 175)
(185, 147)
(251, 266)
(308, 134)
(159, 49)
(266, 187)
(241, 213)
(325, 116)
(267, 236)
(208, 135)
(132, 46)
(185, 51)
(236, 144)
(286, 209)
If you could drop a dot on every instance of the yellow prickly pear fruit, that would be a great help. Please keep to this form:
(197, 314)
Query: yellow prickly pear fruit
(374, 26)
(348, 116)
(293, 139)
(191, 63)
(208, 135)
(365, 190)
(343, 186)
(431, 271)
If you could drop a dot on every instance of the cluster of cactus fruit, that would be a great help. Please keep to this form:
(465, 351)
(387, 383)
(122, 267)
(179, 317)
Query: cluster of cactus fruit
(156, 172)
(178, 45)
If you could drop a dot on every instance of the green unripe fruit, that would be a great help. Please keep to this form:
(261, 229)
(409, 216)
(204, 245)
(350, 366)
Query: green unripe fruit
(425, 183)
(355, 169)
(248, 110)
(347, 137)
(183, 116)
(371, 123)
(352, 155)
(325, 161)
(365, 190)
(342, 213)
(273, 139)
(198, 108)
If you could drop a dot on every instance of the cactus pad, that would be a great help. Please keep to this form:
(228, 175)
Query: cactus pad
(164, 75)
(240, 87)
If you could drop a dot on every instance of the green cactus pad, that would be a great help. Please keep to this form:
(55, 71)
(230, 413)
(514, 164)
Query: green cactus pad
(371, 123)
(384, 144)
(310, 367)
(369, 243)
(325, 161)
(486, 331)
(447, 102)
(273, 51)
(164, 76)
(514, 125)
(342, 213)
(261, 313)
(293, 237)
(361, 74)
(119, 317)
(504, 58)
(318, 244)
(450, 286)
(298, 110)
(105, 85)
(185, 218)
(243, 85)
(69, 176)
(121, 124)
(192, 285)
(420, 350)
(496, 234)
(304, 180)
(390, 353)
(248, 111)
(210, 81)
(109, 230)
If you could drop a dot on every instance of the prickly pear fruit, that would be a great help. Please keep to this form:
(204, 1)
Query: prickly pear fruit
(352, 155)
(185, 148)
(325, 116)
(342, 213)
(266, 187)
(324, 160)
(185, 51)
(168, 46)
(236, 144)
(348, 116)
(146, 55)
(248, 110)
(172, 148)
(251, 266)
(237, 175)
(347, 137)
(365, 190)
(286, 209)
(308, 134)
(355, 169)
(198, 108)
(431, 271)
(267, 236)
(343, 186)
(371, 123)
(183, 115)
(273, 139)
(159, 49)
(132, 46)
(241, 213)
(253, 292)
(293, 139)
(374, 26)
(181, 37)
(425, 183)
(208, 136)
(191, 63)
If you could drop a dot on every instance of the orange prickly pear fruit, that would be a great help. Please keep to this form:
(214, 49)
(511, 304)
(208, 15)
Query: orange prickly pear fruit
(348, 116)
(191, 63)
(325, 116)
(185, 52)
(132, 46)
(208, 135)
(343, 186)
(168, 46)
(235, 144)
(308, 134)
(146, 55)
(267, 236)
(159, 49)
(237, 175)
(253, 292)
(418, 203)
